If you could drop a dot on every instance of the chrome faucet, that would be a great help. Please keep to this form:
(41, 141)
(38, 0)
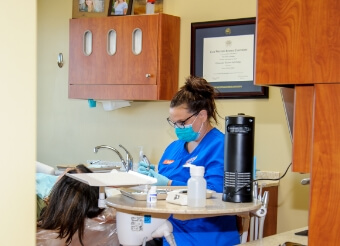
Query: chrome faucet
(116, 151)
(129, 159)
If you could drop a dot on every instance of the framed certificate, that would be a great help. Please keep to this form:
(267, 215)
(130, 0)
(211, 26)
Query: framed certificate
(223, 52)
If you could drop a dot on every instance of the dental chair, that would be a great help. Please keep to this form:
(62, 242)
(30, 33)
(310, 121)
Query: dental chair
(43, 168)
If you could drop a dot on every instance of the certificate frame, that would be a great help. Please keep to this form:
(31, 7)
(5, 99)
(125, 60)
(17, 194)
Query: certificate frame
(205, 36)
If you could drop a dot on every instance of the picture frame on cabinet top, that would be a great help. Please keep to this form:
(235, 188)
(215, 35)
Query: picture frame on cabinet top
(141, 7)
(91, 8)
(114, 6)
(223, 52)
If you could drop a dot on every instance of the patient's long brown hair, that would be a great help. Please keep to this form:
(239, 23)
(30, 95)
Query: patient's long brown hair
(70, 203)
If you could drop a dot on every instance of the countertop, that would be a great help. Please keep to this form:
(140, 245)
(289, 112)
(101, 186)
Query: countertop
(214, 206)
(267, 175)
(279, 239)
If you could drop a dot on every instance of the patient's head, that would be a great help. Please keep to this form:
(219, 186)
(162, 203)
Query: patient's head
(70, 203)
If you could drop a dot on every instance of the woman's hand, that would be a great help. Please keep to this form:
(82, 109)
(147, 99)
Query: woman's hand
(161, 179)
(144, 168)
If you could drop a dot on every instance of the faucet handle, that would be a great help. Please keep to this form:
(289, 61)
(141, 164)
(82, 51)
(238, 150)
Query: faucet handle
(129, 158)
(128, 155)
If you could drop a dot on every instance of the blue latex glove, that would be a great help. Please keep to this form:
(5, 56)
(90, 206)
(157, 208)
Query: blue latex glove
(161, 180)
(143, 168)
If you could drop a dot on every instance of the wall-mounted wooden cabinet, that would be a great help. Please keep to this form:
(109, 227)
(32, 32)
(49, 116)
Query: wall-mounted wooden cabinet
(298, 44)
(124, 58)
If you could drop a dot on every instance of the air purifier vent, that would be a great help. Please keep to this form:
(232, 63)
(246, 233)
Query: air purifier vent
(238, 158)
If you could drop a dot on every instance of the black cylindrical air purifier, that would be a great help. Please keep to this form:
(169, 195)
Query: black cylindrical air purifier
(238, 158)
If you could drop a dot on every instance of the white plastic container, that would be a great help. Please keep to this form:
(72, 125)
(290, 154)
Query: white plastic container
(197, 187)
(151, 198)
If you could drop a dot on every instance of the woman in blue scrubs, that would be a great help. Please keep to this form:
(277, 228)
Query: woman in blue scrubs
(192, 113)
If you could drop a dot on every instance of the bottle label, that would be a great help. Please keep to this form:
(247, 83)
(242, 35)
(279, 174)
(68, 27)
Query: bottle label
(152, 198)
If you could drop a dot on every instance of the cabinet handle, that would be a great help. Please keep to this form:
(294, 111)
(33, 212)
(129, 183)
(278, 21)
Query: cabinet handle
(137, 38)
(147, 75)
(112, 42)
(87, 43)
(60, 60)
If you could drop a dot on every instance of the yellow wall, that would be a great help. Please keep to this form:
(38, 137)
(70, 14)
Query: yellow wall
(68, 129)
(18, 122)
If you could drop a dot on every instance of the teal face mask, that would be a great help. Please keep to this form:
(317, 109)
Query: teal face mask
(187, 133)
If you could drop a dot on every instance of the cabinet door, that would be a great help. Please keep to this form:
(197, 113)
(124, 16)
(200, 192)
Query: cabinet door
(270, 223)
(134, 60)
(88, 51)
(140, 48)
(324, 216)
(81, 67)
(132, 57)
(298, 42)
(303, 128)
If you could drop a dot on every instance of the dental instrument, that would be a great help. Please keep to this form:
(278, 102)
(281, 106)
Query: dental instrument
(146, 160)
(258, 216)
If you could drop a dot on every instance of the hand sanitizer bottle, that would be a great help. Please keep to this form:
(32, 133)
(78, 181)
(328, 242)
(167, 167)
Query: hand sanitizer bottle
(197, 186)
(141, 153)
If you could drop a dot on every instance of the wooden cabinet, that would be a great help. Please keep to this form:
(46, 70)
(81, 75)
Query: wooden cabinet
(125, 57)
(303, 120)
(298, 44)
(270, 222)
(324, 216)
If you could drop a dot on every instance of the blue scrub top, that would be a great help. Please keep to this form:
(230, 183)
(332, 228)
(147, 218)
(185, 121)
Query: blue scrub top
(219, 230)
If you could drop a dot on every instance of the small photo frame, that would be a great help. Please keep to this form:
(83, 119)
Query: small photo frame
(121, 7)
(141, 7)
(91, 8)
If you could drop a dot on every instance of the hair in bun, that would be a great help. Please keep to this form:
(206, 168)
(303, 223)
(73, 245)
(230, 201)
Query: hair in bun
(198, 95)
